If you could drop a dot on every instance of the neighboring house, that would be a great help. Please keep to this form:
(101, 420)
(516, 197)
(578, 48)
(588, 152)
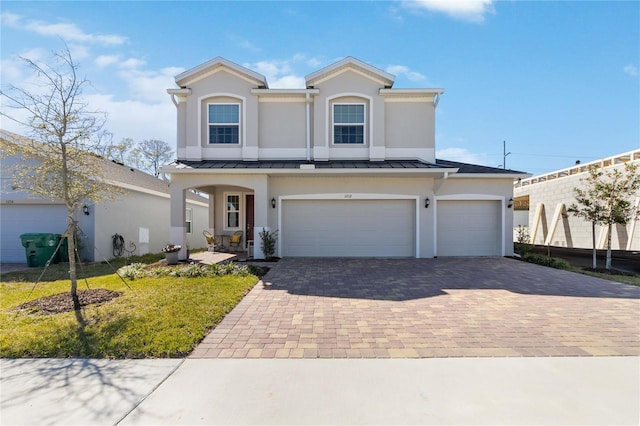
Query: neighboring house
(140, 215)
(546, 199)
(343, 167)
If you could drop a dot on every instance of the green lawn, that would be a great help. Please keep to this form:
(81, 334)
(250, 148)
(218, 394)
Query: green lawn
(625, 279)
(155, 317)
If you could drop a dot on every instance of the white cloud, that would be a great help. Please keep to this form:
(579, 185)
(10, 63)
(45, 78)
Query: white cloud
(9, 19)
(132, 63)
(69, 32)
(286, 73)
(464, 10)
(279, 73)
(149, 85)
(10, 70)
(403, 70)
(288, 82)
(15, 71)
(243, 43)
(36, 55)
(462, 155)
(106, 60)
(631, 70)
(136, 119)
(78, 51)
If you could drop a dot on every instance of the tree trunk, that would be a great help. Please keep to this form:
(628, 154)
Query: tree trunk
(71, 251)
(608, 264)
(593, 241)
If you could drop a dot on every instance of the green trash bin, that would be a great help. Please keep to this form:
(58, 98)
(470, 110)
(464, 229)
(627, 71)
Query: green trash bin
(63, 253)
(39, 248)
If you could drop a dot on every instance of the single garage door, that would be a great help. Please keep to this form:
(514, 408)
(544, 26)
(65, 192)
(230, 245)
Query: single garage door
(348, 228)
(469, 228)
(18, 219)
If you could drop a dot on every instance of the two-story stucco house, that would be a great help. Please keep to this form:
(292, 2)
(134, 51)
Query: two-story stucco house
(343, 167)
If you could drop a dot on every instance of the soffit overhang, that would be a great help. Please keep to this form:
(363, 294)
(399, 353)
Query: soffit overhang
(216, 64)
(350, 63)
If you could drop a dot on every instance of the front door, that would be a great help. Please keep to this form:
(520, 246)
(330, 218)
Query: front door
(249, 215)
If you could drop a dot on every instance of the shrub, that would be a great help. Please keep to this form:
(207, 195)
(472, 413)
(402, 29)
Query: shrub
(552, 262)
(268, 243)
(140, 270)
(133, 271)
(220, 269)
(523, 246)
(189, 271)
(258, 271)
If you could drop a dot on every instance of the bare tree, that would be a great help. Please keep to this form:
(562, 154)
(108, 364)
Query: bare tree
(607, 200)
(58, 164)
(152, 154)
(120, 152)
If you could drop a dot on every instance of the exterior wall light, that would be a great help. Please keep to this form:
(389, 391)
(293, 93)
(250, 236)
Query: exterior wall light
(427, 202)
(510, 203)
(85, 209)
(273, 203)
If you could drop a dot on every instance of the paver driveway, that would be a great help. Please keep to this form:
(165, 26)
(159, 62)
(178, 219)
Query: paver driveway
(447, 307)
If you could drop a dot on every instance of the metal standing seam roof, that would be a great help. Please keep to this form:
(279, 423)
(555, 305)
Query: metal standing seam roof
(342, 164)
(319, 165)
(474, 168)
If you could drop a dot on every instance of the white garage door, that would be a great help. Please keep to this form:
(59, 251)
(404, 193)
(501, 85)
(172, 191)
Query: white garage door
(17, 219)
(469, 228)
(348, 228)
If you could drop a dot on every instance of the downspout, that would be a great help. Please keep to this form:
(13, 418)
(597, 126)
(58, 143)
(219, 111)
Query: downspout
(308, 135)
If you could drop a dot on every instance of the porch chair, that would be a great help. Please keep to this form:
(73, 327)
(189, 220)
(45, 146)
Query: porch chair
(235, 240)
(211, 243)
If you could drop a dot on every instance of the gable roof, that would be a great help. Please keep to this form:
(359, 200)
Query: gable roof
(350, 63)
(209, 67)
(117, 174)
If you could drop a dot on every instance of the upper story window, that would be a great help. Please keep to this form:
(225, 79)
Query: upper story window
(224, 123)
(348, 123)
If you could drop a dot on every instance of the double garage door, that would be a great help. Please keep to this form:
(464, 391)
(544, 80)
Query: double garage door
(348, 228)
(387, 228)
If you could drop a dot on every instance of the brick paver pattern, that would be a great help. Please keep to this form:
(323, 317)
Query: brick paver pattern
(418, 308)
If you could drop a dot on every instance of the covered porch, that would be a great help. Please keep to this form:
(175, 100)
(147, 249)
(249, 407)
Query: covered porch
(238, 212)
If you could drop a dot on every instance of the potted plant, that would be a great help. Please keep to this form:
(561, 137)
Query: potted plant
(171, 253)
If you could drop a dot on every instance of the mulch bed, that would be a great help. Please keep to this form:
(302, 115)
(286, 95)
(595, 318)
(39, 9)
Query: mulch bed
(63, 302)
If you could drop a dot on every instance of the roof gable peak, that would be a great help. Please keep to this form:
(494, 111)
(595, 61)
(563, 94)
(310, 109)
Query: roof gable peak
(213, 65)
(350, 63)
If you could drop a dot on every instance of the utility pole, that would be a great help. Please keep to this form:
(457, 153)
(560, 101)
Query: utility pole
(504, 154)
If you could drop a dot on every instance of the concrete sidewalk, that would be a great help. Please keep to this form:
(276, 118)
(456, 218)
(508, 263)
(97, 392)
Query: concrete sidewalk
(554, 390)
(76, 391)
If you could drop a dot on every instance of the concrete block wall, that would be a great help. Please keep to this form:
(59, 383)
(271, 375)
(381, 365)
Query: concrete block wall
(571, 231)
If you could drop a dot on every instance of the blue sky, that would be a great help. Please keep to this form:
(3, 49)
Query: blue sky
(557, 80)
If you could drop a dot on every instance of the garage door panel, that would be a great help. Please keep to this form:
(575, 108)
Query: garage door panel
(20, 219)
(348, 228)
(469, 228)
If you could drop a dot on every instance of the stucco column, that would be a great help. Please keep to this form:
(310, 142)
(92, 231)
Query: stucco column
(212, 223)
(262, 204)
(177, 234)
